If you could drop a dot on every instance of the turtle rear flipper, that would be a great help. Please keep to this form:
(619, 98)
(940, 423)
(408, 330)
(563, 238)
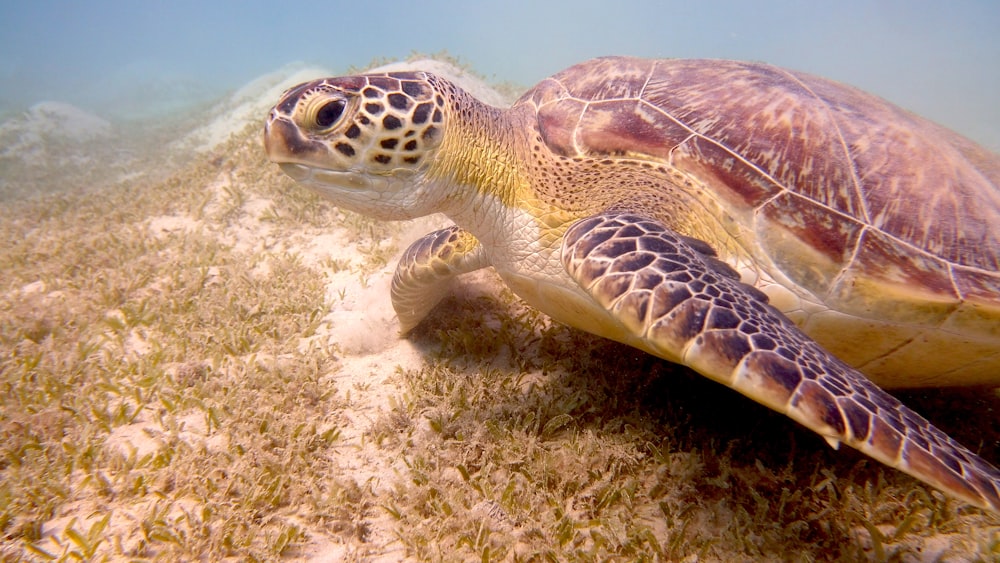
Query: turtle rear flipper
(670, 297)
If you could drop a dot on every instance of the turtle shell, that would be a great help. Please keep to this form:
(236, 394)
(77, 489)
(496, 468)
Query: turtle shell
(872, 210)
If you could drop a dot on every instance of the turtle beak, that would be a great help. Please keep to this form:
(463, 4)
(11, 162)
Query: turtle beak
(284, 142)
(270, 147)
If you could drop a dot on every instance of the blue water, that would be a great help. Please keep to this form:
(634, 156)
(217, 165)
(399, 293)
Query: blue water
(940, 59)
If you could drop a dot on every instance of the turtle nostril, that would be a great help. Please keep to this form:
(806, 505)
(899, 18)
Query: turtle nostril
(330, 113)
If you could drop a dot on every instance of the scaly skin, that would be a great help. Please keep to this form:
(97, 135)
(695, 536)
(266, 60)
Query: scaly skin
(585, 220)
(665, 293)
(425, 269)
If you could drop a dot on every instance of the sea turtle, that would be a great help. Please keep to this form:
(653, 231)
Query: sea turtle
(766, 227)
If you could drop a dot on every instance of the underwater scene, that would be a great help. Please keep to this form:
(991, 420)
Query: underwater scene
(248, 314)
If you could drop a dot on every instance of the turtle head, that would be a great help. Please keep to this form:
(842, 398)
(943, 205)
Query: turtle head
(363, 141)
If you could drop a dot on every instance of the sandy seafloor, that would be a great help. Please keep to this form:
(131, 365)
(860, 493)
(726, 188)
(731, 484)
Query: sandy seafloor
(478, 437)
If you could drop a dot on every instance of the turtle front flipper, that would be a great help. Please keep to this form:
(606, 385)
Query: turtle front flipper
(677, 302)
(426, 268)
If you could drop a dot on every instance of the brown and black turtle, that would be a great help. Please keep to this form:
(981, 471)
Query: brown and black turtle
(793, 238)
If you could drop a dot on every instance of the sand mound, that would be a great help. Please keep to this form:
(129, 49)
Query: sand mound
(247, 105)
(250, 103)
(49, 123)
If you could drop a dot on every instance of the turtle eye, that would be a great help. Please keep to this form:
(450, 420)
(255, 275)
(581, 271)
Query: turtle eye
(329, 113)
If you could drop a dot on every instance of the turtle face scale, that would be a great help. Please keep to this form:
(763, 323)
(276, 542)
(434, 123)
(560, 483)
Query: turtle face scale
(362, 141)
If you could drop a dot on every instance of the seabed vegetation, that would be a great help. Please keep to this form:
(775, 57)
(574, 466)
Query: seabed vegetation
(171, 388)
